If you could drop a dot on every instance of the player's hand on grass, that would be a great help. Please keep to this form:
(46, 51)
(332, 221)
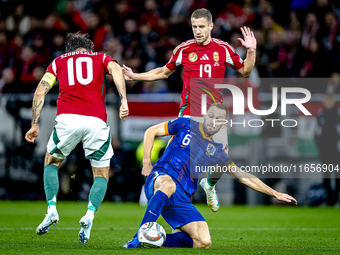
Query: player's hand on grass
(285, 198)
(249, 41)
(147, 168)
(32, 134)
(123, 111)
(128, 73)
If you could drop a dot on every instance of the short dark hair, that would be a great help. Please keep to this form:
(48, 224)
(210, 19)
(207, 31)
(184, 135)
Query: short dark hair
(220, 106)
(78, 40)
(202, 13)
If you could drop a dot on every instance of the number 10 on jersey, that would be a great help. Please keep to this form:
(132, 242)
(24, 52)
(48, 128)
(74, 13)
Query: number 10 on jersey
(206, 68)
(79, 70)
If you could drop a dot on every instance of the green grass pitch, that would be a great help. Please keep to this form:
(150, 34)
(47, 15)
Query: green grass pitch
(234, 230)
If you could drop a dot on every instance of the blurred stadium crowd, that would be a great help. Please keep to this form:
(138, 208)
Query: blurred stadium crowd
(298, 38)
(295, 38)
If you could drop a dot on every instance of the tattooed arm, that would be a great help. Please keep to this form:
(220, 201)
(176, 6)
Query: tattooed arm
(38, 101)
(37, 105)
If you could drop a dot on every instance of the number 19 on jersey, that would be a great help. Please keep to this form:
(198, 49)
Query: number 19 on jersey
(206, 68)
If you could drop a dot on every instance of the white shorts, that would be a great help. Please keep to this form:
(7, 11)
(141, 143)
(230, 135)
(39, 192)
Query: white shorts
(70, 129)
(220, 137)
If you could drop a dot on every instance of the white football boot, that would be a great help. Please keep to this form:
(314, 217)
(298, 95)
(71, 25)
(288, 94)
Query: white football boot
(85, 230)
(50, 219)
(212, 199)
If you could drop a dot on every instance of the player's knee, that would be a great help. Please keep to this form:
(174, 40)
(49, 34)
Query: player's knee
(101, 172)
(204, 243)
(168, 187)
(50, 160)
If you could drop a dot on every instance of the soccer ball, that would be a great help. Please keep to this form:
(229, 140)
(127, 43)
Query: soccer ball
(151, 234)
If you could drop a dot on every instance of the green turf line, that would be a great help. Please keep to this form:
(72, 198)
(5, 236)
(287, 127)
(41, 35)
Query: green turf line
(234, 230)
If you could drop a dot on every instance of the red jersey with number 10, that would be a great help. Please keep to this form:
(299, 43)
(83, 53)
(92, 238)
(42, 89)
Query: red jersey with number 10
(199, 62)
(81, 76)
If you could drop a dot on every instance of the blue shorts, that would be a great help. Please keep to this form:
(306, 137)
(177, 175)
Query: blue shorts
(178, 210)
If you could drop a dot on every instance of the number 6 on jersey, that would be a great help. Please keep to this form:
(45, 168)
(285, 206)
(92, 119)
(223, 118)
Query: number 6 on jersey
(186, 140)
(79, 70)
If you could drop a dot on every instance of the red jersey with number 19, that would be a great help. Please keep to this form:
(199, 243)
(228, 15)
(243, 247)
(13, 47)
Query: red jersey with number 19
(81, 76)
(199, 62)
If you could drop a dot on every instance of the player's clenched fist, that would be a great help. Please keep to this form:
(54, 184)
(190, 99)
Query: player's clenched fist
(32, 134)
(124, 111)
(146, 170)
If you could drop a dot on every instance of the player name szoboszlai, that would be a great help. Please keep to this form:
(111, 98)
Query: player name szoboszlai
(78, 52)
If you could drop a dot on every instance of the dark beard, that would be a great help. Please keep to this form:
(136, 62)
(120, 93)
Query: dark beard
(208, 133)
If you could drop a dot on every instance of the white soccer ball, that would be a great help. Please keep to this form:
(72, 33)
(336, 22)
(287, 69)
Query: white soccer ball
(151, 234)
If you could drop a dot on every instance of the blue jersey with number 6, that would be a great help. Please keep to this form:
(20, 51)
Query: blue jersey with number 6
(189, 153)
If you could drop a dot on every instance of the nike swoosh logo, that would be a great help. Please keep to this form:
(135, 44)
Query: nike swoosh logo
(152, 213)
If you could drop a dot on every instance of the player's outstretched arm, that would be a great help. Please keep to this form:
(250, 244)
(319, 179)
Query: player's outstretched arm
(153, 75)
(38, 102)
(249, 43)
(149, 138)
(118, 78)
(256, 184)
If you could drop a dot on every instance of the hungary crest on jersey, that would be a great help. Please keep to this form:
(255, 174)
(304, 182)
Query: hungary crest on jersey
(216, 58)
(193, 57)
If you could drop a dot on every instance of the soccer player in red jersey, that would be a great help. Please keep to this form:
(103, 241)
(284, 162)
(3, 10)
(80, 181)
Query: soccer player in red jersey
(203, 57)
(81, 117)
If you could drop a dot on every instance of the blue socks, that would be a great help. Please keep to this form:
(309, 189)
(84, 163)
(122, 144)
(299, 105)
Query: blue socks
(179, 240)
(152, 212)
(154, 208)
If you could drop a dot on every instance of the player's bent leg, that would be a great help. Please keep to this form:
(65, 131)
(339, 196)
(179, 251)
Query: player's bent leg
(51, 186)
(192, 235)
(53, 160)
(101, 172)
(162, 188)
(98, 149)
(165, 184)
(97, 193)
(51, 180)
(99, 186)
(199, 232)
(179, 239)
